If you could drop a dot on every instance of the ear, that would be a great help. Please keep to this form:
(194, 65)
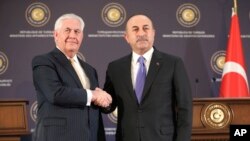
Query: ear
(126, 37)
(154, 33)
(55, 34)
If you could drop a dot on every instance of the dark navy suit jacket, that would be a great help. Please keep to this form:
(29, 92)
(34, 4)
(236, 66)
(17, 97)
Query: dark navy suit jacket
(62, 111)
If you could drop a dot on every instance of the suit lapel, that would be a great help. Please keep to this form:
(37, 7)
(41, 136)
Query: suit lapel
(154, 67)
(126, 66)
(65, 63)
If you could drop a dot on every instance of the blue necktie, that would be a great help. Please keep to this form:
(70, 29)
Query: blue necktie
(140, 78)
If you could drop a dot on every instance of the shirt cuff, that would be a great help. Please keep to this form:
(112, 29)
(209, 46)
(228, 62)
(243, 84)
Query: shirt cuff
(89, 97)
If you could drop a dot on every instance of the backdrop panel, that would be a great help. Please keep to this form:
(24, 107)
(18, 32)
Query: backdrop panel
(197, 31)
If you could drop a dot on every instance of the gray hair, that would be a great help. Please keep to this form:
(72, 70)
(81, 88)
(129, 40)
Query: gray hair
(59, 21)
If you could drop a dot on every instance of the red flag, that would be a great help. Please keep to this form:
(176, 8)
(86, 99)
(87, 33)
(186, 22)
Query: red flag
(234, 79)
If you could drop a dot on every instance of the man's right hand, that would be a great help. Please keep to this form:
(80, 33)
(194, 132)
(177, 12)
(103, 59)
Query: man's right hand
(101, 98)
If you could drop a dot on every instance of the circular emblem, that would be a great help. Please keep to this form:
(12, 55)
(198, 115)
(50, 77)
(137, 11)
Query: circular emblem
(216, 115)
(188, 15)
(37, 14)
(217, 61)
(3, 62)
(113, 116)
(33, 111)
(113, 14)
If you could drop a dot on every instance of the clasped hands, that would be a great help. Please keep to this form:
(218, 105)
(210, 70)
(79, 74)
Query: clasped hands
(101, 98)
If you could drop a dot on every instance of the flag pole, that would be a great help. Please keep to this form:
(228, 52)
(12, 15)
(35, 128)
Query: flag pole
(235, 7)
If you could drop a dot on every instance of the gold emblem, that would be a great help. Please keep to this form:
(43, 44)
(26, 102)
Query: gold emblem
(37, 14)
(188, 15)
(3, 63)
(217, 61)
(216, 115)
(220, 62)
(113, 14)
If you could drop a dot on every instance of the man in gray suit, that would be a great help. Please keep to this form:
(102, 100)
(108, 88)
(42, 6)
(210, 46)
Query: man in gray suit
(153, 95)
(67, 89)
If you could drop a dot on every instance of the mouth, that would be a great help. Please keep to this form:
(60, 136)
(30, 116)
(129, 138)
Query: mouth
(71, 42)
(142, 40)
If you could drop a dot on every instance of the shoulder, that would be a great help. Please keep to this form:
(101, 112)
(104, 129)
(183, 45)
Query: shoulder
(121, 60)
(42, 59)
(166, 56)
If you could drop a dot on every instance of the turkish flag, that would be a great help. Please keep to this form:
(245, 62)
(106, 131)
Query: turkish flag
(234, 79)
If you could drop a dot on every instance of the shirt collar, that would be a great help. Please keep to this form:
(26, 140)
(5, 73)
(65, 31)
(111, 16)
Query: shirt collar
(147, 55)
(74, 58)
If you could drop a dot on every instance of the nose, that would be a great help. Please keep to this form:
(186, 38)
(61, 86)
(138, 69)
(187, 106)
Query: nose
(141, 32)
(72, 33)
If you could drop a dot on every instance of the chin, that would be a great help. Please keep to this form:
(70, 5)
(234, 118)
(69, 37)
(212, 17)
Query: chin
(144, 46)
(73, 47)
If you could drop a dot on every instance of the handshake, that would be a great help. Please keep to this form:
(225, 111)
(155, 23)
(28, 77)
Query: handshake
(101, 98)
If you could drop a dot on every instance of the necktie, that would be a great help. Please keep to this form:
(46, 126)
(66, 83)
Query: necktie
(140, 78)
(80, 73)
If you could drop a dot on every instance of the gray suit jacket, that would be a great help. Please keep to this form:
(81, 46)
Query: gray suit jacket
(62, 111)
(165, 112)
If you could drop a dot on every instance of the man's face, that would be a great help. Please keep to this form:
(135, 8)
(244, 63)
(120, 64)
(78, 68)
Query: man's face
(140, 34)
(69, 37)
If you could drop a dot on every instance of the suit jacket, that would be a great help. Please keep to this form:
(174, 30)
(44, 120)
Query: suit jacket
(62, 112)
(165, 111)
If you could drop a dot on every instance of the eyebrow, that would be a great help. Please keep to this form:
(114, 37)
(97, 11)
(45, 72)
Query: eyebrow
(135, 26)
(72, 28)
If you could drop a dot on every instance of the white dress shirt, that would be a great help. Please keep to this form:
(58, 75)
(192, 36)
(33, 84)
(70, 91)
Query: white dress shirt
(135, 63)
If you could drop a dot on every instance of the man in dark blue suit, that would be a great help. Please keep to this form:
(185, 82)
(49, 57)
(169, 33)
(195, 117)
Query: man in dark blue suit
(162, 111)
(67, 89)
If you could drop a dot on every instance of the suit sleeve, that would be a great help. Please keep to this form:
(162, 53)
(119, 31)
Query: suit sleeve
(109, 88)
(56, 86)
(184, 102)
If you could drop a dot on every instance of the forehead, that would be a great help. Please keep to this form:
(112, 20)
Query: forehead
(139, 21)
(71, 23)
